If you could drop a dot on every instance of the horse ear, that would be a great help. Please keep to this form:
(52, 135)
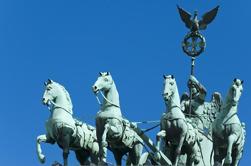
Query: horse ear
(172, 76)
(100, 73)
(107, 73)
(164, 76)
(242, 81)
(49, 81)
(235, 79)
(45, 83)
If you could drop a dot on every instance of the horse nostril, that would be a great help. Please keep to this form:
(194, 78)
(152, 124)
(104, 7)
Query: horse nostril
(44, 101)
(165, 94)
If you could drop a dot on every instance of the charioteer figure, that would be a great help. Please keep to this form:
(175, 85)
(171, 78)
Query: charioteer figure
(198, 92)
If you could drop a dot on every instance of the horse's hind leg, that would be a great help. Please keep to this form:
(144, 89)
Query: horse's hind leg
(183, 127)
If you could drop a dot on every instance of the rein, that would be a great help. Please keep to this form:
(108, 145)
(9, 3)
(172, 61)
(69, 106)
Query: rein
(107, 100)
(147, 122)
(229, 118)
(57, 106)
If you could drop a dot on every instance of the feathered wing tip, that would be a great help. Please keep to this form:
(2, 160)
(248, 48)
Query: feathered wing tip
(185, 17)
(208, 17)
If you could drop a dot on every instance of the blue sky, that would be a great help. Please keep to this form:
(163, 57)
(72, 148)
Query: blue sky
(137, 41)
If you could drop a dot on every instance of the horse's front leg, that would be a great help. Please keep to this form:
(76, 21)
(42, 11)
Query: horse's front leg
(65, 140)
(160, 135)
(104, 144)
(231, 140)
(41, 156)
(178, 149)
(183, 132)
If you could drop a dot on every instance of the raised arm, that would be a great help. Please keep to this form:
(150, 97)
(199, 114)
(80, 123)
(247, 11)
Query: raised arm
(199, 87)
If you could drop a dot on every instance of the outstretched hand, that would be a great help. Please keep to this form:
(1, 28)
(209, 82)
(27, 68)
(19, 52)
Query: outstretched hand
(193, 80)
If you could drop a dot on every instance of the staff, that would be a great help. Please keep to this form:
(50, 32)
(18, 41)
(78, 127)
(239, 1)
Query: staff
(194, 43)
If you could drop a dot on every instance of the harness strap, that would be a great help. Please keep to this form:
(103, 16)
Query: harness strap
(57, 106)
(229, 118)
(109, 100)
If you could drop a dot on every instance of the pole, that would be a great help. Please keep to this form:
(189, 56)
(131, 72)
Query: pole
(192, 73)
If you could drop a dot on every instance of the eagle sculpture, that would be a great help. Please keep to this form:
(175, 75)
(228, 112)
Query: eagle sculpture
(193, 23)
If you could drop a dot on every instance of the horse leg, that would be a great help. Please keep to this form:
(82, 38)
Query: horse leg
(65, 139)
(135, 154)
(104, 144)
(118, 157)
(218, 156)
(183, 132)
(94, 153)
(41, 156)
(160, 135)
(189, 161)
(194, 153)
(82, 156)
(237, 156)
(231, 140)
(100, 132)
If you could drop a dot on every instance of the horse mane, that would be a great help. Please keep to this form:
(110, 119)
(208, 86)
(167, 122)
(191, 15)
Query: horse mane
(68, 98)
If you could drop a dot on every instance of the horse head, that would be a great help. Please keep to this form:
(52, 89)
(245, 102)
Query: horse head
(103, 83)
(57, 95)
(49, 93)
(169, 87)
(235, 91)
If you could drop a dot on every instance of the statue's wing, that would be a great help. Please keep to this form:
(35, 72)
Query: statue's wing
(208, 18)
(185, 17)
(184, 97)
(216, 97)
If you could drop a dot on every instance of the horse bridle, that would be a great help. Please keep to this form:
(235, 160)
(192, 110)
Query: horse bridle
(107, 100)
(57, 106)
(102, 94)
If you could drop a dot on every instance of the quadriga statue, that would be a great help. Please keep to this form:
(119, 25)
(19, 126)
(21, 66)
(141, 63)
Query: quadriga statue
(113, 131)
(63, 129)
(228, 131)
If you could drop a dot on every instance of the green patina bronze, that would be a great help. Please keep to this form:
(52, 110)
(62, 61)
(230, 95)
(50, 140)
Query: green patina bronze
(63, 129)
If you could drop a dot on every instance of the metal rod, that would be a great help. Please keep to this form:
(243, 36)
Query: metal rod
(192, 73)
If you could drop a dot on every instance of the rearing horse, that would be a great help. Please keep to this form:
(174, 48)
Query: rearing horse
(64, 130)
(174, 127)
(113, 131)
(228, 132)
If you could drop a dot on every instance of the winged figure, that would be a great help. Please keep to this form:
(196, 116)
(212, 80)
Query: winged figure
(193, 23)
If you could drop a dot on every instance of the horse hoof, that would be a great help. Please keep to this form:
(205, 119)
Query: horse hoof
(42, 159)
